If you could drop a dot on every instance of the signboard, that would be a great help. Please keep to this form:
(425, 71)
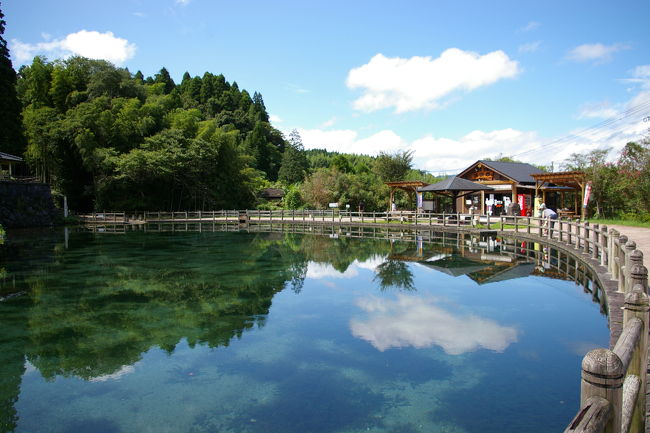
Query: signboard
(587, 194)
(333, 205)
(419, 194)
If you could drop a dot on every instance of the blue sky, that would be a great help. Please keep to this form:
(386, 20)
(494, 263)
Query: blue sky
(451, 81)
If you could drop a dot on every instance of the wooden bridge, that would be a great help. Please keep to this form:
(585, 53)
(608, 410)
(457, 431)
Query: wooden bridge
(613, 380)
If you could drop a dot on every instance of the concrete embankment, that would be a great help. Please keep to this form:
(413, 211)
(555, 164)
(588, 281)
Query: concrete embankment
(27, 205)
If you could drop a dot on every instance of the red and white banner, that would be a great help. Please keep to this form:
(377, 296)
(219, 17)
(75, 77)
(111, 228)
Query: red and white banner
(585, 200)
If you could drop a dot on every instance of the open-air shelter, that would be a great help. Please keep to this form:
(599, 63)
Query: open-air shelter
(7, 163)
(455, 187)
(410, 186)
(561, 183)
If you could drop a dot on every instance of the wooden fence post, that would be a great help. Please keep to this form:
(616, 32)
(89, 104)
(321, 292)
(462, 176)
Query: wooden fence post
(602, 376)
(637, 307)
(638, 275)
(611, 250)
(594, 242)
(604, 250)
(628, 248)
(585, 237)
(618, 255)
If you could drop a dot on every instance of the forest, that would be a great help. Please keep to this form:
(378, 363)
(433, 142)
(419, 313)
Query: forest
(110, 139)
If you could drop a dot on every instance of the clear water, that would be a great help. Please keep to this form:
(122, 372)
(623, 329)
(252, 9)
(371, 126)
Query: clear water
(278, 332)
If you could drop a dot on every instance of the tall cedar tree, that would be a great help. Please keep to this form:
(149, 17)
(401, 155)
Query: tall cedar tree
(294, 162)
(11, 137)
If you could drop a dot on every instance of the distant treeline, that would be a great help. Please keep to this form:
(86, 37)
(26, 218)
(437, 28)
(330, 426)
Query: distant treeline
(110, 139)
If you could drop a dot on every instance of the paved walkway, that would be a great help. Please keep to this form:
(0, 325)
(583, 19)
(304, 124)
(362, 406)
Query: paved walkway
(641, 236)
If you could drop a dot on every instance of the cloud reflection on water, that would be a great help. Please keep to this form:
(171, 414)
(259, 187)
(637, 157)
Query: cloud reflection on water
(418, 322)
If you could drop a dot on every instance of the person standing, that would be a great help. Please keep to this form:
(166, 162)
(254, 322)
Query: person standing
(548, 215)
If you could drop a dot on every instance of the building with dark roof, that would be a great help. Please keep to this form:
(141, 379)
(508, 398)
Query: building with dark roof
(512, 182)
(272, 194)
(7, 163)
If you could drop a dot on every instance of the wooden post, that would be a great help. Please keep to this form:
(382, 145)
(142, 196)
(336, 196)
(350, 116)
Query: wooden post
(619, 258)
(638, 276)
(604, 250)
(602, 376)
(569, 240)
(594, 243)
(560, 230)
(528, 225)
(540, 224)
(637, 307)
(585, 237)
(516, 224)
(628, 248)
(611, 251)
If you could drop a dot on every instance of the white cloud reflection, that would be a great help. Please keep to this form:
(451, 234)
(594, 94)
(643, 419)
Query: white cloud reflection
(317, 270)
(126, 369)
(418, 322)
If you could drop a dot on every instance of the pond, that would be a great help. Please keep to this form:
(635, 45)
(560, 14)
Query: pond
(287, 332)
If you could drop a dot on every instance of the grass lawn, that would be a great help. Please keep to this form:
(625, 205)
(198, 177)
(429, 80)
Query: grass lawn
(628, 223)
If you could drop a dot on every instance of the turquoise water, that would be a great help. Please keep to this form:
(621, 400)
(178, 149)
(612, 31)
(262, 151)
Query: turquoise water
(281, 332)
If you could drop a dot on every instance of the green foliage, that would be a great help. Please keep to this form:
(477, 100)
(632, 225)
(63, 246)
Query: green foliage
(619, 189)
(11, 137)
(294, 162)
(109, 139)
(293, 199)
(393, 167)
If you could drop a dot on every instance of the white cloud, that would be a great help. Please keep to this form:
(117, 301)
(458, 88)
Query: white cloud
(595, 52)
(532, 25)
(422, 82)
(437, 153)
(346, 140)
(642, 71)
(328, 123)
(411, 321)
(641, 76)
(183, 2)
(91, 44)
(275, 119)
(599, 110)
(530, 47)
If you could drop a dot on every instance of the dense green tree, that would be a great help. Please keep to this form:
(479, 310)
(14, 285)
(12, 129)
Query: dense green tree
(294, 162)
(163, 77)
(393, 167)
(11, 137)
(98, 134)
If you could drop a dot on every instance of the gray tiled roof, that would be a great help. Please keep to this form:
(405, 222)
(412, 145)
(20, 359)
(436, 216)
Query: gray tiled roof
(9, 157)
(454, 183)
(518, 171)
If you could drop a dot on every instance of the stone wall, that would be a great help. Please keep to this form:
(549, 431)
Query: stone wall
(27, 205)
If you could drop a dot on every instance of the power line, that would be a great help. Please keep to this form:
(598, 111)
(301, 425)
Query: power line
(591, 130)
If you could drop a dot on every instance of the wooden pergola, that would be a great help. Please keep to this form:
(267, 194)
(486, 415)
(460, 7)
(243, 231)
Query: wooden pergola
(410, 186)
(575, 180)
